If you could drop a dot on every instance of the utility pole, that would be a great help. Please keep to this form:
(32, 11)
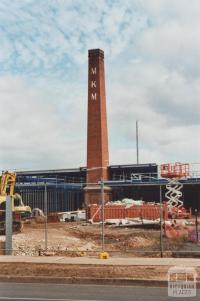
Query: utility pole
(137, 142)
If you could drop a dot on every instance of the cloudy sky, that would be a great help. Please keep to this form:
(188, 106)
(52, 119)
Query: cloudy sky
(152, 57)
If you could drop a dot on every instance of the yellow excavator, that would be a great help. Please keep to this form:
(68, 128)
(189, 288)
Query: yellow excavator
(20, 211)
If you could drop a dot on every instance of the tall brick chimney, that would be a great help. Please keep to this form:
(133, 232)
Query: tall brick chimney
(97, 134)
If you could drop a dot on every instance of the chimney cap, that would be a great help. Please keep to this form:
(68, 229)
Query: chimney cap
(96, 52)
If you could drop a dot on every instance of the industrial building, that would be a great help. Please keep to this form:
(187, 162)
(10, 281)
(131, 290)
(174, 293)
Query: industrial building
(65, 187)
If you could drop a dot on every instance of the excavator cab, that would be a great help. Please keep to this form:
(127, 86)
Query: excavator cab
(20, 211)
(17, 206)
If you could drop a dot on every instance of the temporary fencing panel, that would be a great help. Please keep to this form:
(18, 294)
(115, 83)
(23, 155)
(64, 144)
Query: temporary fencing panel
(152, 212)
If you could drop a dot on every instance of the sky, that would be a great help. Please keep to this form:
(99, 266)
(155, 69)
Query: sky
(152, 63)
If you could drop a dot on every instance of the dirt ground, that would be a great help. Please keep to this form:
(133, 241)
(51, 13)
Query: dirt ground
(82, 271)
(74, 238)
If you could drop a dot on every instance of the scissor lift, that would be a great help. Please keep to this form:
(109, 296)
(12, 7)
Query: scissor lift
(174, 173)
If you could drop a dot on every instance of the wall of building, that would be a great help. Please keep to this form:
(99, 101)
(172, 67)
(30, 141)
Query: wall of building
(60, 198)
(190, 198)
(70, 197)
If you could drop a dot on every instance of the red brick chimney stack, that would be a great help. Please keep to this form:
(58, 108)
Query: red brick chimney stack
(97, 134)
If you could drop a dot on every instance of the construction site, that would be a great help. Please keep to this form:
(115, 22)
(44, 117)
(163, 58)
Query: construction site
(146, 210)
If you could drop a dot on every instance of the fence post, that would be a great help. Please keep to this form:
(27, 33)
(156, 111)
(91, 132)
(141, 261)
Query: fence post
(9, 226)
(161, 223)
(196, 224)
(102, 213)
(45, 212)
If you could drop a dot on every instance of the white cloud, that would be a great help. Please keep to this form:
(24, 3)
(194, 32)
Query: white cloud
(153, 75)
(173, 37)
(40, 128)
(167, 107)
(40, 35)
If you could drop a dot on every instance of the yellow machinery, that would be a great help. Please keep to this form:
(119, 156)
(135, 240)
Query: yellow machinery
(20, 211)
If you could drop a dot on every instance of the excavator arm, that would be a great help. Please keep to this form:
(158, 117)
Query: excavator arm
(7, 180)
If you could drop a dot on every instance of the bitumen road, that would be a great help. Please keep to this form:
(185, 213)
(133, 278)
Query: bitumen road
(74, 292)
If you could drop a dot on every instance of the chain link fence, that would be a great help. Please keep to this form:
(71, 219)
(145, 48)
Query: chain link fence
(63, 228)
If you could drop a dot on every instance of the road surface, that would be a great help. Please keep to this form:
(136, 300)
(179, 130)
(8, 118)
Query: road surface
(74, 292)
